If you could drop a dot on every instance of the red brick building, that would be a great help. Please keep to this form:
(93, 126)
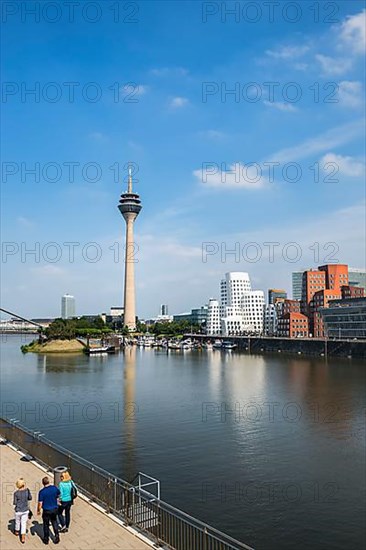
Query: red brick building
(321, 299)
(293, 325)
(313, 280)
(336, 275)
(287, 306)
(318, 287)
(352, 292)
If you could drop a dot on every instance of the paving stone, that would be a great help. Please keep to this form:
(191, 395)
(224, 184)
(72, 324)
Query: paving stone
(90, 529)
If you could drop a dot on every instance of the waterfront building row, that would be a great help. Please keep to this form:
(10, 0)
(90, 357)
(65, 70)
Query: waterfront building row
(242, 311)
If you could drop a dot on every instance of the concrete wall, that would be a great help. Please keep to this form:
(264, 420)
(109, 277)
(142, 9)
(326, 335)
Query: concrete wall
(312, 346)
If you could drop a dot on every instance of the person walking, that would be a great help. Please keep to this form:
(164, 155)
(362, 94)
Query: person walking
(21, 498)
(67, 488)
(47, 502)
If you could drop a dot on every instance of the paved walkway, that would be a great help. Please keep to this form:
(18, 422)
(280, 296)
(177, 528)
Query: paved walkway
(90, 528)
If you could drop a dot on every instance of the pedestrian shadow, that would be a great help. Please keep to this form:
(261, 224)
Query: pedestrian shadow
(36, 529)
(11, 525)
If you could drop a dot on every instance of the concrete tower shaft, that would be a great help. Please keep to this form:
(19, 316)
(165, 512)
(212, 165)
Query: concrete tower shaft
(129, 206)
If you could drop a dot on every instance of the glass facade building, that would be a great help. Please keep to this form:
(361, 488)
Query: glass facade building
(345, 318)
(297, 284)
(275, 293)
(357, 277)
(67, 306)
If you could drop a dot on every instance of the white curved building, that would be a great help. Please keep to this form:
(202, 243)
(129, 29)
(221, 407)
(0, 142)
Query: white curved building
(213, 326)
(241, 308)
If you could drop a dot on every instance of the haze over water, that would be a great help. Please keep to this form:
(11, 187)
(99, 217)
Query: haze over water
(270, 449)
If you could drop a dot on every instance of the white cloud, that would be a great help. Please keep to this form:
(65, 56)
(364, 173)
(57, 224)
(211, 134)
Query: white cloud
(135, 146)
(348, 166)
(239, 176)
(281, 106)
(25, 222)
(333, 65)
(97, 136)
(332, 138)
(249, 176)
(350, 93)
(178, 102)
(353, 33)
(169, 71)
(212, 134)
(288, 52)
(301, 66)
(142, 89)
(48, 270)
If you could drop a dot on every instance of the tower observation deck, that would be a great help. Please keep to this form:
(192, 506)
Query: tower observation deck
(129, 206)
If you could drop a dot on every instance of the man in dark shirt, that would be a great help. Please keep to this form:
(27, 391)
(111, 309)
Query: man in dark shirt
(47, 501)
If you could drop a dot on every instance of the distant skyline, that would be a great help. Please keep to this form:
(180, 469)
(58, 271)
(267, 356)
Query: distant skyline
(191, 146)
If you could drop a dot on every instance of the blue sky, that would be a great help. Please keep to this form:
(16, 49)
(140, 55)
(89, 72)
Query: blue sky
(298, 99)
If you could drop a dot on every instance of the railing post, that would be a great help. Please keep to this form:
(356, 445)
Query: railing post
(115, 494)
(133, 506)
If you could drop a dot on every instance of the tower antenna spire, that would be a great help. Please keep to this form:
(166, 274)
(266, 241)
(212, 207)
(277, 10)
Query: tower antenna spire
(129, 206)
(129, 190)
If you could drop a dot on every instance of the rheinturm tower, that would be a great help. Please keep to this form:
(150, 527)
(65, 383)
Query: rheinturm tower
(129, 206)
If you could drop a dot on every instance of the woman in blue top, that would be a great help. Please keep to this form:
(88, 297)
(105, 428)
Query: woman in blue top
(66, 501)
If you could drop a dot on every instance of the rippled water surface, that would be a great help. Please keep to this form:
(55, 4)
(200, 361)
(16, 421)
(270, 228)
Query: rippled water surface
(270, 449)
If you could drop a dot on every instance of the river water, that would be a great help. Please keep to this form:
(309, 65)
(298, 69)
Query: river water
(269, 449)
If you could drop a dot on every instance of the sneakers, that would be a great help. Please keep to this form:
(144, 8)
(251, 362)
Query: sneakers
(63, 529)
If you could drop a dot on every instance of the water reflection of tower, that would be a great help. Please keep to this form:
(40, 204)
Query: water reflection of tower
(130, 411)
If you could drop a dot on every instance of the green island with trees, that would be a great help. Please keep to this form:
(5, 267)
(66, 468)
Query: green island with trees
(62, 336)
(67, 335)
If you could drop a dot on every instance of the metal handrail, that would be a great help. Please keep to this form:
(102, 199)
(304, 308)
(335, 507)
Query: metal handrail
(160, 521)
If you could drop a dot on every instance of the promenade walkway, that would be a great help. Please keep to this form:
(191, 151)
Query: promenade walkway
(91, 529)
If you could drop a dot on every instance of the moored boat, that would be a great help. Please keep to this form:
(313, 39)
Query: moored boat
(217, 344)
(99, 350)
(228, 345)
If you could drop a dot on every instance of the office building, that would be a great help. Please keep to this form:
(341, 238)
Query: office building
(357, 277)
(320, 300)
(293, 325)
(336, 275)
(197, 316)
(345, 318)
(116, 311)
(297, 284)
(241, 308)
(352, 292)
(213, 326)
(67, 306)
(276, 294)
(164, 309)
(270, 320)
